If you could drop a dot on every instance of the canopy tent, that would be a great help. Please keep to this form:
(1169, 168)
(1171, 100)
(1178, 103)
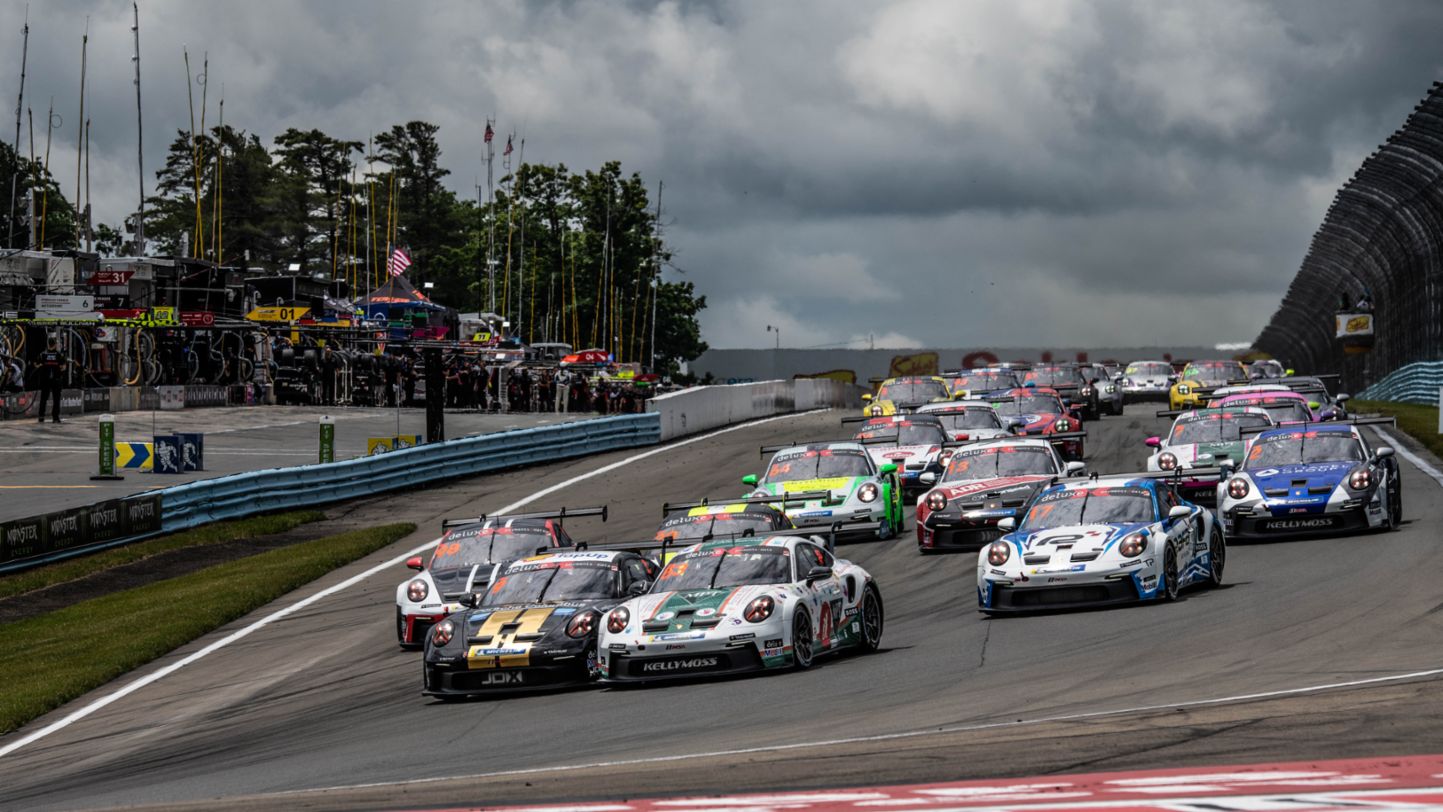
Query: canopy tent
(396, 300)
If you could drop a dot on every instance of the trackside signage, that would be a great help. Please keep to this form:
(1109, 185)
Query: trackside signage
(78, 528)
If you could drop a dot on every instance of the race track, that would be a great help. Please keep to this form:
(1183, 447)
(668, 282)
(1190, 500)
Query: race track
(323, 698)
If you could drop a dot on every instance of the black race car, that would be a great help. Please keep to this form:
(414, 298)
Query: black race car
(1069, 382)
(535, 627)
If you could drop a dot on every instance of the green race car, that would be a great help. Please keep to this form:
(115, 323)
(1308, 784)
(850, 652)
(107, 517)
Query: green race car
(862, 498)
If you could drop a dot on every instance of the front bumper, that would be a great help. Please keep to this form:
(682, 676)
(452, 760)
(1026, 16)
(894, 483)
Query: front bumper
(1256, 522)
(853, 519)
(959, 532)
(665, 657)
(1064, 591)
(456, 679)
(1144, 392)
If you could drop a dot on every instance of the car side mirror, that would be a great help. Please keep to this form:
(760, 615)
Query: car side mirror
(1227, 467)
(927, 478)
(866, 397)
(415, 563)
(1076, 468)
(1172, 379)
(1383, 453)
(1153, 442)
(1008, 524)
(1117, 378)
(750, 479)
(889, 468)
(1179, 512)
(818, 572)
(1342, 397)
(638, 588)
(470, 600)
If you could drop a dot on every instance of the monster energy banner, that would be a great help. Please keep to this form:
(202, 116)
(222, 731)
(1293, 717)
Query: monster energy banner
(78, 528)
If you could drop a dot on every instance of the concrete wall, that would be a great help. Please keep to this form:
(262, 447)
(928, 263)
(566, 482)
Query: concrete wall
(702, 408)
(744, 366)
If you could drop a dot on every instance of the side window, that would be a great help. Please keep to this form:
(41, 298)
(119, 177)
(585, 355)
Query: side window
(562, 539)
(808, 556)
(636, 570)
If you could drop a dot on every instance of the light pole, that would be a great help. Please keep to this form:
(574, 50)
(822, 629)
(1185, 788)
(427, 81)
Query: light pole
(778, 331)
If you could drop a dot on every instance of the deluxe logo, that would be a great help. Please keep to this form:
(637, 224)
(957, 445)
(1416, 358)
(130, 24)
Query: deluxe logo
(681, 665)
(503, 678)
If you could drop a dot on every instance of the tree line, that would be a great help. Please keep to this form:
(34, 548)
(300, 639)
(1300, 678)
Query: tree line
(565, 256)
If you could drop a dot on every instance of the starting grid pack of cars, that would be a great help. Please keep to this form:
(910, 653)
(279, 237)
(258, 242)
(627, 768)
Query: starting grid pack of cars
(986, 460)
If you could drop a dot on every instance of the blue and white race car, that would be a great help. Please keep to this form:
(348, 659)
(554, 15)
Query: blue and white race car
(1308, 478)
(1094, 542)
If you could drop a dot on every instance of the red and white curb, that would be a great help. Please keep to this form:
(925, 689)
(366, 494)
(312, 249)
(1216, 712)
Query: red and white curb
(1404, 783)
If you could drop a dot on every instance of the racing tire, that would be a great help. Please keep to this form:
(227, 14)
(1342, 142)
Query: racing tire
(887, 531)
(1170, 588)
(1217, 557)
(1395, 503)
(871, 618)
(803, 644)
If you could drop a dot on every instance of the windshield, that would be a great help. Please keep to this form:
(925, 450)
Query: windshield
(1029, 404)
(1300, 447)
(1283, 410)
(1210, 372)
(823, 464)
(994, 379)
(912, 391)
(488, 546)
(556, 581)
(907, 433)
(1214, 428)
(970, 419)
(697, 528)
(726, 567)
(991, 463)
(1046, 376)
(1079, 506)
(1149, 369)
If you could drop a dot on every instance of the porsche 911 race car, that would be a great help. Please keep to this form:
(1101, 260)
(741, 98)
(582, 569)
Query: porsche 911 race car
(1147, 380)
(985, 481)
(911, 442)
(1266, 368)
(1313, 478)
(1067, 381)
(1198, 379)
(1115, 539)
(1041, 413)
(968, 419)
(1106, 384)
(535, 626)
(727, 607)
(463, 560)
(687, 523)
(861, 496)
(1204, 438)
(899, 395)
(1283, 407)
(973, 383)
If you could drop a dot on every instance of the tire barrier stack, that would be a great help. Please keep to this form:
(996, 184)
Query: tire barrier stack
(1381, 240)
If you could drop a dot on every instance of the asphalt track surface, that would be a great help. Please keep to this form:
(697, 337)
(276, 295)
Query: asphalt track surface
(323, 699)
(45, 467)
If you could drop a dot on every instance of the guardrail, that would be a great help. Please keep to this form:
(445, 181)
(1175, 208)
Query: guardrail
(1414, 383)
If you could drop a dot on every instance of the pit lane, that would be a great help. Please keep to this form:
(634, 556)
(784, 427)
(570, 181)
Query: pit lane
(323, 698)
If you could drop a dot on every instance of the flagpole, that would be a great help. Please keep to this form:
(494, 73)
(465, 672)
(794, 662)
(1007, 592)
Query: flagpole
(19, 103)
(491, 220)
(656, 273)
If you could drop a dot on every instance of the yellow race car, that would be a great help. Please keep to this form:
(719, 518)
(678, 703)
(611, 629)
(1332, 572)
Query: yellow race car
(898, 395)
(1199, 378)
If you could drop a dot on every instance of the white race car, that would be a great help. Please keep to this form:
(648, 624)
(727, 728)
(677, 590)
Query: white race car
(968, 419)
(912, 442)
(749, 604)
(1147, 380)
(857, 496)
(1204, 438)
(1094, 542)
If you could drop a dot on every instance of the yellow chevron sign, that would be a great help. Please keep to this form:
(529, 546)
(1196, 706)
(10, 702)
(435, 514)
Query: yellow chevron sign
(134, 455)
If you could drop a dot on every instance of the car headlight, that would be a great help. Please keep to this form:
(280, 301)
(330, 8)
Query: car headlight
(1360, 479)
(868, 492)
(617, 620)
(1183, 389)
(417, 590)
(876, 411)
(441, 635)
(1167, 461)
(998, 553)
(936, 501)
(1238, 487)
(581, 625)
(1133, 545)
(759, 609)
(1087, 391)
(1061, 425)
(1111, 388)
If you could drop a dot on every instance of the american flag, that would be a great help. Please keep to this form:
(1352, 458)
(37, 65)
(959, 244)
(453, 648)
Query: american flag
(398, 262)
(490, 133)
(507, 151)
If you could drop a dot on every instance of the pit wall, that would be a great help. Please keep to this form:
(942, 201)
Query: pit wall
(703, 408)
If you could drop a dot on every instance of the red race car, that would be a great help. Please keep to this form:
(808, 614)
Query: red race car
(1040, 412)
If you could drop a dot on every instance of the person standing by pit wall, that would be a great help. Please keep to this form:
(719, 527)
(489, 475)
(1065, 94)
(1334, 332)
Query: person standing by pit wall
(51, 365)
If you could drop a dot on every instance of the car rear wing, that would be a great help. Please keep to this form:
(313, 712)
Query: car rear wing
(772, 449)
(1172, 413)
(560, 515)
(1062, 436)
(1347, 421)
(1209, 473)
(894, 418)
(800, 496)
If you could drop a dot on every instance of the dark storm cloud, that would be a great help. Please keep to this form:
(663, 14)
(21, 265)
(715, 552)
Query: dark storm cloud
(925, 170)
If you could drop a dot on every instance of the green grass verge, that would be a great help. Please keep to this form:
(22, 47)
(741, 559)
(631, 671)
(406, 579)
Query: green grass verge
(58, 573)
(1417, 421)
(49, 660)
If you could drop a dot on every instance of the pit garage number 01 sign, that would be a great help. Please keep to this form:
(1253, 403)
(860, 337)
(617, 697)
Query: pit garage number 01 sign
(283, 314)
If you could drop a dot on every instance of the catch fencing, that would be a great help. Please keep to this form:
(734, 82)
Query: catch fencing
(1381, 238)
(1414, 383)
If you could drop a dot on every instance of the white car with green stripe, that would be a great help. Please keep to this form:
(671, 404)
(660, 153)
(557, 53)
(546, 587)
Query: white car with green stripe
(862, 497)
(752, 604)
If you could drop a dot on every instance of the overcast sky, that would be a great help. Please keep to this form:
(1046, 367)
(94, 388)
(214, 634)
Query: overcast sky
(930, 172)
